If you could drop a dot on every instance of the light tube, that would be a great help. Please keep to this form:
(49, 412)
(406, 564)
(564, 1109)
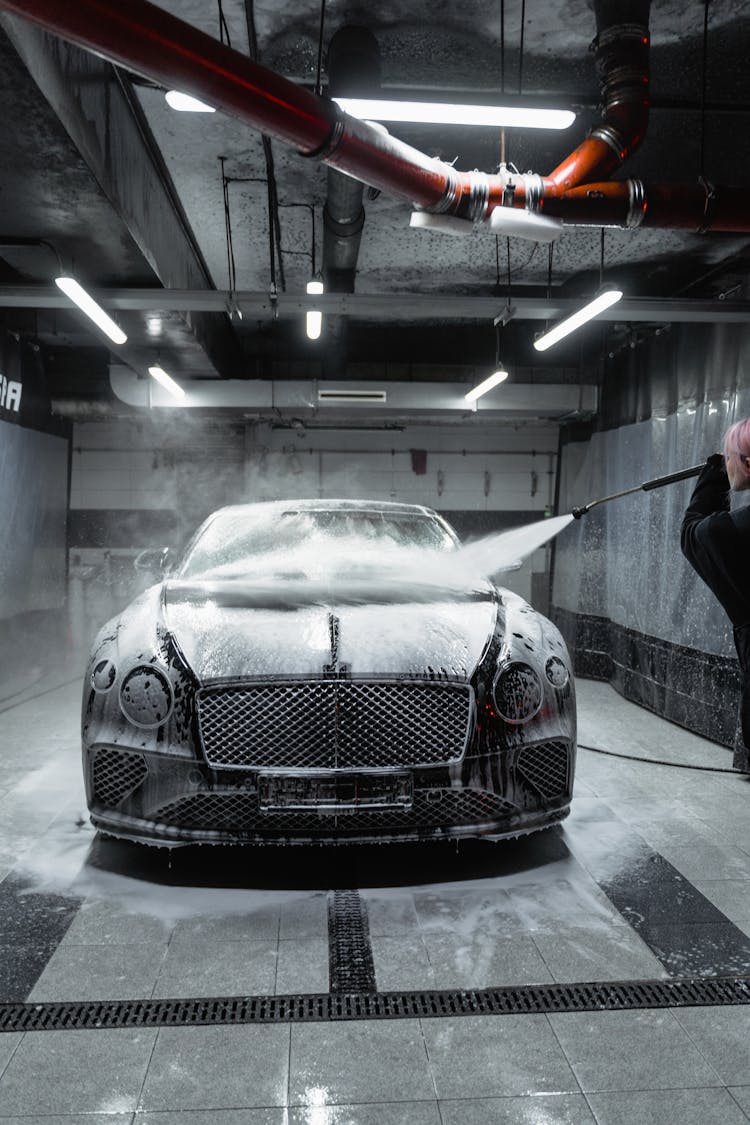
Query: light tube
(314, 319)
(443, 113)
(491, 381)
(166, 381)
(87, 304)
(185, 103)
(588, 312)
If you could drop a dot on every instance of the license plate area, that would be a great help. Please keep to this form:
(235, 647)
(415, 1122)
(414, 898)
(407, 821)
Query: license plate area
(333, 795)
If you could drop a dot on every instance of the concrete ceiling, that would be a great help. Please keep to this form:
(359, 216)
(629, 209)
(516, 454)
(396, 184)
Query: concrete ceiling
(130, 192)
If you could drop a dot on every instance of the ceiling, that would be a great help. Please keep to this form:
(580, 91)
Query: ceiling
(99, 172)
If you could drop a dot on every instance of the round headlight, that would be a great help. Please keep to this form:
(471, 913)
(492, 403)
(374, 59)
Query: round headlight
(103, 675)
(556, 672)
(146, 696)
(518, 693)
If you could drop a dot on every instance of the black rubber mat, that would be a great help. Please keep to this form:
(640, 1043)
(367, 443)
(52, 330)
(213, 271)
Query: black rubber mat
(351, 967)
(596, 996)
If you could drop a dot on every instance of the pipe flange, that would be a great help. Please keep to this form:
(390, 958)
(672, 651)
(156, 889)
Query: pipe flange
(619, 32)
(332, 141)
(450, 195)
(479, 196)
(534, 187)
(611, 137)
(637, 203)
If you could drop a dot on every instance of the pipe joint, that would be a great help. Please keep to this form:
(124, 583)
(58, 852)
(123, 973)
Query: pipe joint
(451, 195)
(637, 204)
(611, 137)
(534, 190)
(332, 141)
(479, 196)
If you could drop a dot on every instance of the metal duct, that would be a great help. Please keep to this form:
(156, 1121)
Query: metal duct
(150, 41)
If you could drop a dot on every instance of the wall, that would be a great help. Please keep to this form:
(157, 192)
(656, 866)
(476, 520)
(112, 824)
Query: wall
(150, 482)
(632, 609)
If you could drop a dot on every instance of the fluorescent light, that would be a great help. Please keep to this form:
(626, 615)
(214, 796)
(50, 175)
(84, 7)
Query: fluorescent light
(443, 113)
(588, 312)
(491, 381)
(87, 304)
(314, 319)
(166, 381)
(187, 104)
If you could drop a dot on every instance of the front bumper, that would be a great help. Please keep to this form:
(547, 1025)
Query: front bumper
(160, 799)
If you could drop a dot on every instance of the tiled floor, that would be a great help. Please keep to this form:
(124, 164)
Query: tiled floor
(649, 876)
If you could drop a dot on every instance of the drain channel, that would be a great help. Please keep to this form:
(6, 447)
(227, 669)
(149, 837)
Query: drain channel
(350, 963)
(594, 996)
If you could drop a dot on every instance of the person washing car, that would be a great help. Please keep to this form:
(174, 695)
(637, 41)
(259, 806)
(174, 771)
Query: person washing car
(716, 543)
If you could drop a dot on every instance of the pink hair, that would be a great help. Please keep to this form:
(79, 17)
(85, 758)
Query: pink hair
(737, 442)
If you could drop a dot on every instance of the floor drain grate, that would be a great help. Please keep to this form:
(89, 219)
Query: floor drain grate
(316, 1007)
(351, 967)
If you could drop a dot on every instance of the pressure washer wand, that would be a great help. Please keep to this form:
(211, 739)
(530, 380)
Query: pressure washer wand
(657, 482)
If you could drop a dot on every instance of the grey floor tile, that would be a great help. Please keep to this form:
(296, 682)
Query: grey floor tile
(484, 961)
(611, 953)
(363, 1061)
(217, 1068)
(544, 905)
(107, 922)
(304, 917)
(722, 1035)
(731, 896)
(9, 1043)
(467, 912)
(380, 1113)
(656, 1107)
(390, 915)
(302, 967)
(274, 1116)
(494, 1056)
(741, 1095)
(700, 861)
(100, 972)
(546, 1109)
(260, 924)
(217, 968)
(74, 1072)
(643, 1050)
(72, 1119)
(401, 963)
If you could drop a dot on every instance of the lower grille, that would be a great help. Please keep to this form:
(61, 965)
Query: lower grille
(238, 812)
(545, 768)
(116, 775)
(334, 724)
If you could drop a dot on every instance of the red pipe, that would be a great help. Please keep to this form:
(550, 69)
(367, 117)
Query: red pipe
(630, 203)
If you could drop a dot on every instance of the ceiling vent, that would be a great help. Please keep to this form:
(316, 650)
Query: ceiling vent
(351, 396)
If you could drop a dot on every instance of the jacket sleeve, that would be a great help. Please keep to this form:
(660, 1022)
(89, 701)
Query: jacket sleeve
(710, 496)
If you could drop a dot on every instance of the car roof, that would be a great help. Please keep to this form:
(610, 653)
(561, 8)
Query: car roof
(309, 505)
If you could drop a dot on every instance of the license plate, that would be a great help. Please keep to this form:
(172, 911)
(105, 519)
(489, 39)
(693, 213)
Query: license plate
(333, 795)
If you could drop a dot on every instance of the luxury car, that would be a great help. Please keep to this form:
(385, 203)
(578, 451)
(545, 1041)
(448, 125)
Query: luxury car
(326, 671)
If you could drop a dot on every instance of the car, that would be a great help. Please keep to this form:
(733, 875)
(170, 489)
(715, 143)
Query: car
(326, 671)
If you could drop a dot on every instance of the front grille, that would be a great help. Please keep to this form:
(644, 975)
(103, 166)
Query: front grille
(238, 812)
(545, 768)
(334, 724)
(116, 775)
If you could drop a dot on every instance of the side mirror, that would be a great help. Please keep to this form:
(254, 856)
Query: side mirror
(154, 560)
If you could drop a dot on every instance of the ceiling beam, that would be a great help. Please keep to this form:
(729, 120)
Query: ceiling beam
(392, 307)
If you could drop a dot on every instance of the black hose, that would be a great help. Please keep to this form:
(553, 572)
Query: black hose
(661, 761)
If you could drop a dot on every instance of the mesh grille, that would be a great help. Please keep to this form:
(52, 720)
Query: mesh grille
(238, 812)
(334, 724)
(116, 775)
(545, 768)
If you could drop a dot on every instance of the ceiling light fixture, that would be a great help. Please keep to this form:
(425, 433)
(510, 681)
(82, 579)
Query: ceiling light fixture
(88, 305)
(575, 320)
(491, 381)
(499, 375)
(166, 381)
(313, 318)
(185, 103)
(444, 113)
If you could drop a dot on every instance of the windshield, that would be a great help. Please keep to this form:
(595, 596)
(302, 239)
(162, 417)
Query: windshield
(297, 541)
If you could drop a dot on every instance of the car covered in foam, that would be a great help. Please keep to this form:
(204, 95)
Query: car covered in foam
(326, 672)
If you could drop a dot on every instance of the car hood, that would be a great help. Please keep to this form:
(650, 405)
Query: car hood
(298, 627)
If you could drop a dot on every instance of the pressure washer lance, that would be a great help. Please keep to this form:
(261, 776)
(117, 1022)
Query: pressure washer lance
(657, 482)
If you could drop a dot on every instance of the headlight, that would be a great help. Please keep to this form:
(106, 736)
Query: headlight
(518, 693)
(103, 675)
(556, 672)
(146, 696)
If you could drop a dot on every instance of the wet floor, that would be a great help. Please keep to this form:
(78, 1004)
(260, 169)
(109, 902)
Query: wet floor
(648, 879)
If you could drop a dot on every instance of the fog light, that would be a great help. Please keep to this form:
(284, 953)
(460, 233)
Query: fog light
(146, 696)
(103, 675)
(556, 672)
(518, 693)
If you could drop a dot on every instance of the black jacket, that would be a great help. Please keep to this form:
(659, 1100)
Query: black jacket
(716, 542)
